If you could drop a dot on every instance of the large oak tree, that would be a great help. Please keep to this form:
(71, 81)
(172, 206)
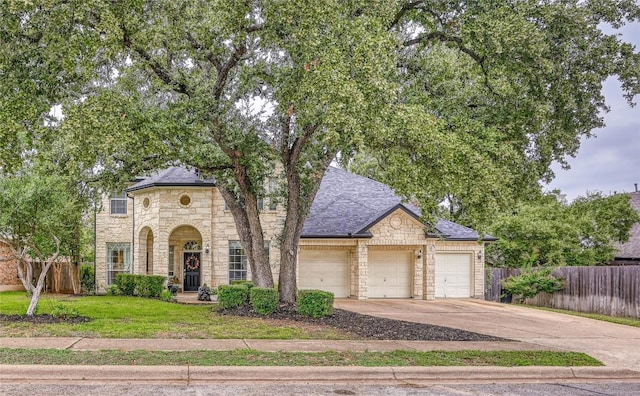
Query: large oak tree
(471, 99)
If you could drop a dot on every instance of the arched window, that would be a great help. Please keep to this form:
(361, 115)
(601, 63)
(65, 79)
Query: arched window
(192, 245)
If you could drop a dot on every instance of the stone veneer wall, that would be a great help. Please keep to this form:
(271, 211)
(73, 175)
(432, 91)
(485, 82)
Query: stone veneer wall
(402, 232)
(215, 226)
(224, 230)
(8, 272)
(110, 228)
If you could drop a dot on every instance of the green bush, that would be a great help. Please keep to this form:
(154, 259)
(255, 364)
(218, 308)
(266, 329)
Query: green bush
(530, 283)
(315, 303)
(63, 311)
(264, 300)
(126, 283)
(233, 296)
(166, 295)
(114, 290)
(247, 283)
(87, 278)
(149, 286)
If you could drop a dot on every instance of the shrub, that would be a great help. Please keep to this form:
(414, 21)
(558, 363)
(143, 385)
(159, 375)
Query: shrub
(166, 295)
(233, 296)
(114, 290)
(315, 303)
(264, 300)
(247, 283)
(126, 283)
(149, 286)
(530, 283)
(63, 311)
(87, 278)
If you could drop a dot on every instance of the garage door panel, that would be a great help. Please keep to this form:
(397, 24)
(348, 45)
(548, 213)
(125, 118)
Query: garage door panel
(326, 270)
(389, 274)
(453, 275)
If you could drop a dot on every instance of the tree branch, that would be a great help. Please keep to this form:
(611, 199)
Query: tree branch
(161, 72)
(442, 37)
(408, 6)
(209, 55)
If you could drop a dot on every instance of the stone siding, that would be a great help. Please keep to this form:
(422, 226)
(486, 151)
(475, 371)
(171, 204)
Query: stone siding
(163, 218)
(110, 229)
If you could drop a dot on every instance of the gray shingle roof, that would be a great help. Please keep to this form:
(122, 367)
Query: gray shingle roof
(348, 205)
(631, 249)
(174, 176)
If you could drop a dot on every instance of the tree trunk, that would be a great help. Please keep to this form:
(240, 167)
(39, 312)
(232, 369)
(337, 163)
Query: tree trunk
(35, 296)
(298, 207)
(74, 273)
(247, 220)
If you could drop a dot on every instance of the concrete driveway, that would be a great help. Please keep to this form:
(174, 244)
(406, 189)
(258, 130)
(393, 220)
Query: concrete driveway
(617, 346)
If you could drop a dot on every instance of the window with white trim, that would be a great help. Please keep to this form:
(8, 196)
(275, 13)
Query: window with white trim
(238, 268)
(273, 188)
(118, 260)
(118, 204)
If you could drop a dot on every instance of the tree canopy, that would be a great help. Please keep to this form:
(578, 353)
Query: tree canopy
(39, 217)
(466, 99)
(552, 233)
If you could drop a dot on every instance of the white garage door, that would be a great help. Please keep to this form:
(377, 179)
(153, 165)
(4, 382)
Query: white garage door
(389, 274)
(326, 270)
(453, 275)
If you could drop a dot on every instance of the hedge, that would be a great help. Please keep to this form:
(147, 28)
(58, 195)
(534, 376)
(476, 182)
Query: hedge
(140, 285)
(315, 303)
(233, 296)
(264, 300)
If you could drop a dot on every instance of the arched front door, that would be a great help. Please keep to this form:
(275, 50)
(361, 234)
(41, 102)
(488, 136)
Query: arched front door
(192, 266)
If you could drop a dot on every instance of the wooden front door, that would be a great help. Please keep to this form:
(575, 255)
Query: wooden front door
(192, 265)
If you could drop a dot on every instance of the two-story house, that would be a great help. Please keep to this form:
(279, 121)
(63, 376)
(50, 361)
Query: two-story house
(359, 241)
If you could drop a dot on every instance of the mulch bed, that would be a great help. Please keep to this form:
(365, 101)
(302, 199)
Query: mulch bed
(371, 327)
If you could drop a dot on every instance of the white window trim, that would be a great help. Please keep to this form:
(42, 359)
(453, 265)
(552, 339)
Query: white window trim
(119, 198)
(126, 260)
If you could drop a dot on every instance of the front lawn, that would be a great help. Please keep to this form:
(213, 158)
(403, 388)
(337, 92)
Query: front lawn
(247, 357)
(132, 317)
(635, 322)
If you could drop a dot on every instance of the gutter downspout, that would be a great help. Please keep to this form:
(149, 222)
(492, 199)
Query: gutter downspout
(133, 232)
(95, 245)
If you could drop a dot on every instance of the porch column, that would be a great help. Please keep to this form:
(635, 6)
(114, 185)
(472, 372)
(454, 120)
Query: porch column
(418, 273)
(359, 271)
(430, 271)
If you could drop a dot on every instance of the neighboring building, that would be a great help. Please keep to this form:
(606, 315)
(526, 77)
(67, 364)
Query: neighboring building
(9, 280)
(629, 253)
(359, 241)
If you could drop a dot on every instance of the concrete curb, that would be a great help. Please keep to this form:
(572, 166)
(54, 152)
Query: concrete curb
(308, 375)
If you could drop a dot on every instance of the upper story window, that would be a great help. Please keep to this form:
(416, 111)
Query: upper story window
(273, 189)
(118, 204)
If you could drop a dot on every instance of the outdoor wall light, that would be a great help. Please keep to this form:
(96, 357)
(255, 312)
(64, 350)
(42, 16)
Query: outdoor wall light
(480, 255)
(419, 254)
(206, 248)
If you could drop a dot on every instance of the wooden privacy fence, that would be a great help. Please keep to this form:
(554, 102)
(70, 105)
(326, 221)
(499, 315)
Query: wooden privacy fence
(613, 291)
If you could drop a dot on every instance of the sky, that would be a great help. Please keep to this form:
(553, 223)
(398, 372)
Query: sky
(610, 161)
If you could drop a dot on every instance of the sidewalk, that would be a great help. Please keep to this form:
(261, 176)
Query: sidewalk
(310, 375)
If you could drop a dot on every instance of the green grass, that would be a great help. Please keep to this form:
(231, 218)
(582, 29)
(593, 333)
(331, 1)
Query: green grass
(635, 322)
(132, 317)
(247, 357)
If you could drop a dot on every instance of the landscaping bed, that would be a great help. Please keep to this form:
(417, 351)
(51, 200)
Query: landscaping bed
(370, 327)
